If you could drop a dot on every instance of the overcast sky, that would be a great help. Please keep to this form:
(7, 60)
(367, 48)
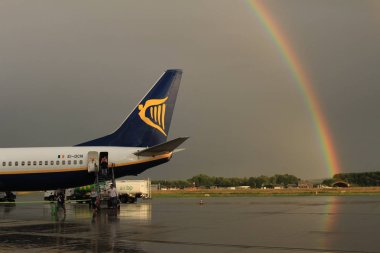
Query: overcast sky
(71, 71)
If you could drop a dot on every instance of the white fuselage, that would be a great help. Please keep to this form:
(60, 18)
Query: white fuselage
(61, 167)
(56, 159)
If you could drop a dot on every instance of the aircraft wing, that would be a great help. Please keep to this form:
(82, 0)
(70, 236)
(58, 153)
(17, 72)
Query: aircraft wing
(162, 148)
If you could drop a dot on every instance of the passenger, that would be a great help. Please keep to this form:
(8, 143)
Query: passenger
(113, 196)
(104, 165)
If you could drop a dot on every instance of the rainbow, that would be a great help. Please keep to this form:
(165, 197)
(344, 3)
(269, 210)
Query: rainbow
(303, 83)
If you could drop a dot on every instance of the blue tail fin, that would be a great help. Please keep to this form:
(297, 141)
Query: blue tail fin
(149, 122)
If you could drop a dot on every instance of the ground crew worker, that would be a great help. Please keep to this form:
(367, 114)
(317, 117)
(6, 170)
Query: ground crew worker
(93, 196)
(61, 201)
(113, 196)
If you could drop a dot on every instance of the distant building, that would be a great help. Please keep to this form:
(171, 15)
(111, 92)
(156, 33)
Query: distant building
(304, 184)
(243, 187)
(322, 186)
(341, 184)
(154, 187)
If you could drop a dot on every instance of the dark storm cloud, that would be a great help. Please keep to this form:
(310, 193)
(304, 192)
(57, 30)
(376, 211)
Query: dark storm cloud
(72, 70)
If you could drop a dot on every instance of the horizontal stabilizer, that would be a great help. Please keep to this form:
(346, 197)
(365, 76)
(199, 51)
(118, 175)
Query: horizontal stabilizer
(162, 148)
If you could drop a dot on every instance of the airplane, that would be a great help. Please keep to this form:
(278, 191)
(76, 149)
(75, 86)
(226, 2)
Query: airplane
(138, 144)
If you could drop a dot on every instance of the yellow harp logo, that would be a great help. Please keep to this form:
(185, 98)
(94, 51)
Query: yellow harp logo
(157, 109)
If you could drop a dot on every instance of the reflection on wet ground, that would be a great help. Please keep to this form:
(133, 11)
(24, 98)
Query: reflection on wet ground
(252, 224)
(36, 227)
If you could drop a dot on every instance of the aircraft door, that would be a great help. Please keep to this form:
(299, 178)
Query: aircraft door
(93, 161)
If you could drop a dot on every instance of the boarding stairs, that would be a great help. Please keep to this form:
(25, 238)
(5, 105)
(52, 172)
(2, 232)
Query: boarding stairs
(102, 184)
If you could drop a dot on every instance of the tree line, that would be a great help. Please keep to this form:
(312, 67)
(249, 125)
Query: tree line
(202, 180)
(206, 181)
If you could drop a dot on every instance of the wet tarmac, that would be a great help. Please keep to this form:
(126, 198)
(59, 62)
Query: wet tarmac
(252, 224)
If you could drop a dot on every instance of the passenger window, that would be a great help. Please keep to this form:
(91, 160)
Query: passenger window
(63, 162)
(16, 163)
(46, 163)
(29, 163)
(69, 162)
(9, 163)
(75, 162)
(34, 163)
(4, 163)
(40, 163)
(80, 161)
(22, 163)
(57, 162)
(51, 162)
